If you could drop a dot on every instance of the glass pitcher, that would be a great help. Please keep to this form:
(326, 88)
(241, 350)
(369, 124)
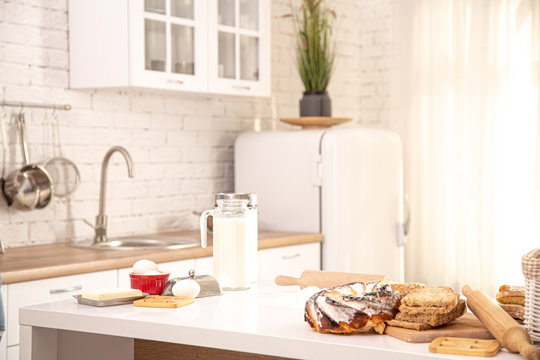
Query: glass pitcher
(231, 242)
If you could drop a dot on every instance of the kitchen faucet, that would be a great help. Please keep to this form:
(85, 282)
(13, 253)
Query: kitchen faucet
(100, 227)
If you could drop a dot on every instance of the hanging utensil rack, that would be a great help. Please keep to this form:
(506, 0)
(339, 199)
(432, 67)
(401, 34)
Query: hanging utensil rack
(22, 104)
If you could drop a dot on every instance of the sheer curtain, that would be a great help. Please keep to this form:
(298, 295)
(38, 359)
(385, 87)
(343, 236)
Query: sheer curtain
(470, 96)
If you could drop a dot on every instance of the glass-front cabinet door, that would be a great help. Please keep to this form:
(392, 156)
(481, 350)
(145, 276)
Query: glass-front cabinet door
(168, 44)
(239, 47)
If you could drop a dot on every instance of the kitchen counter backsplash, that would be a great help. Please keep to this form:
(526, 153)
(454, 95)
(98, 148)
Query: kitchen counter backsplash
(181, 143)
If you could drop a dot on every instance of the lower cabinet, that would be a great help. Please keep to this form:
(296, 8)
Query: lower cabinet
(288, 260)
(13, 352)
(47, 290)
(3, 341)
(204, 266)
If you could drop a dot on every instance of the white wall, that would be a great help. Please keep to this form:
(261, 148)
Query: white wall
(181, 143)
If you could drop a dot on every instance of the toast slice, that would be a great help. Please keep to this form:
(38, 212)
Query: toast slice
(511, 294)
(508, 298)
(442, 297)
(516, 290)
(434, 319)
(409, 325)
(405, 288)
(424, 310)
(515, 311)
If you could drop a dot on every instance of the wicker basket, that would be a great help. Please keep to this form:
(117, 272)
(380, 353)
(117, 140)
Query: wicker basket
(530, 264)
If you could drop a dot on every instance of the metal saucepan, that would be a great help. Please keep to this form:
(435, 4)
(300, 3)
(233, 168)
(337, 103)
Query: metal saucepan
(29, 187)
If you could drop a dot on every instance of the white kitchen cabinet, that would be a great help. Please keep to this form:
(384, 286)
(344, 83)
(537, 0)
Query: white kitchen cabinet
(3, 341)
(48, 290)
(178, 268)
(288, 260)
(170, 44)
(239, 47)
(138, 43)
(13, 353)
(175, 268)
(204, 266)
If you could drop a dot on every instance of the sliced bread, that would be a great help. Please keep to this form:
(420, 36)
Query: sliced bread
(405, 288)
(505, 298)
(441, 297)
(514, 310)
(433, 319)
(409, 325)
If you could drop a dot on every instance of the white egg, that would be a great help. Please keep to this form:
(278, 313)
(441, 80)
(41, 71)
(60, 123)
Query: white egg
(188, 287)
(142, 266)
(152, 272)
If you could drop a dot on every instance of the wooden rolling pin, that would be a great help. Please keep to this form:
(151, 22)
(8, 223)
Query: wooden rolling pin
(505, 329)
(326, 279)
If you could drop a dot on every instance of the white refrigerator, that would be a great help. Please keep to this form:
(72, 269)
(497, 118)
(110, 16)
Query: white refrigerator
(346, 183)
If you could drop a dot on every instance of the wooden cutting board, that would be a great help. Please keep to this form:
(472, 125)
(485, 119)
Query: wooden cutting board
(164, 301)
(467, 326)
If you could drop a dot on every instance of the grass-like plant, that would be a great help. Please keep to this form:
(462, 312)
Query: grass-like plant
(315, 50)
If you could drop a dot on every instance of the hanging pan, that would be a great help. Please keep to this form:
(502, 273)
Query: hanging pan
(64, 174)
(30, 187)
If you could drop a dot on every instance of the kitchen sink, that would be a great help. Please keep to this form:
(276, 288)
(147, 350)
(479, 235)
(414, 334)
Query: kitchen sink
(141, 243)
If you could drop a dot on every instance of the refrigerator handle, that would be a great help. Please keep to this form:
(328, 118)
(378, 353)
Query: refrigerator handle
(403, 228)
(407, 222)
(317, 172)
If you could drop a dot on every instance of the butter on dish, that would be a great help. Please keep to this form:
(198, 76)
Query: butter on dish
(109, 294)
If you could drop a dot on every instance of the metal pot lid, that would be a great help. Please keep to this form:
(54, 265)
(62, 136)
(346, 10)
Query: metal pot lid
(252, 198)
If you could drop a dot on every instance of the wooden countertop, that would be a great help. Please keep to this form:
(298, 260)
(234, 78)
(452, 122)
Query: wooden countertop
(46, 261)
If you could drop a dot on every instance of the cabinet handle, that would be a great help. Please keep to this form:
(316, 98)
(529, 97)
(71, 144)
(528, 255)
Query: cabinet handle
(65, 290)
(241, 87)
(288, 257)
(174, 81)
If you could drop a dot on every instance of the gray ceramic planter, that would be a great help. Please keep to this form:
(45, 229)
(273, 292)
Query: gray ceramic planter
(315, 103)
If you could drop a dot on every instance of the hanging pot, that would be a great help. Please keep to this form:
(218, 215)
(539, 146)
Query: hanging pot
(315, 103)
(29, 187)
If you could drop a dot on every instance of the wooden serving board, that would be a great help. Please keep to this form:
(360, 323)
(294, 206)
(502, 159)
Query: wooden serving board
(164, 301)
(467, 326)
(464, 346)
(315, 122)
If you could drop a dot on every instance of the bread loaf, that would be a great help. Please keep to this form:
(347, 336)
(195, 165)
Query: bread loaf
(351, 308)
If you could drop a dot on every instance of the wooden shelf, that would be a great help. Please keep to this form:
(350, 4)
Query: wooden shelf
(316, 122)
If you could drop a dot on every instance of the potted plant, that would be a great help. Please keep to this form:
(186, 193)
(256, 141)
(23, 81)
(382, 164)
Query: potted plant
(315, 53)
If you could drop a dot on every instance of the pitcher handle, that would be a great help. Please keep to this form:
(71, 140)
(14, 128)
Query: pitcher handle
(204, 231)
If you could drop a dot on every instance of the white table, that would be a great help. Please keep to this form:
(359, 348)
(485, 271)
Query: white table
(264, 320)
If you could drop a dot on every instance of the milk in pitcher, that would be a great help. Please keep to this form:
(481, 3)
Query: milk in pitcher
(231, 259)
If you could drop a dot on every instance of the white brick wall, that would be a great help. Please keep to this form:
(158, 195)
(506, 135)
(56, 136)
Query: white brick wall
(181, 144)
